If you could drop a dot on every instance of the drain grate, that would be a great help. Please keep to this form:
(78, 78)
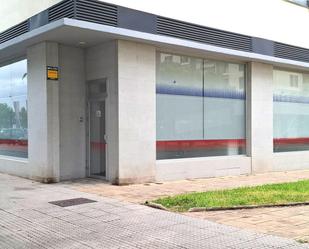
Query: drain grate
(71, 202)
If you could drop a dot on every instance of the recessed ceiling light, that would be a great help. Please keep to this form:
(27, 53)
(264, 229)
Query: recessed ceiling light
(81, 43)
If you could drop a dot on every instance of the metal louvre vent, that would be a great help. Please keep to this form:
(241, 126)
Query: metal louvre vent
(61, 10)
(15, 31)
(97, 12)
(179, 29)
(291, 52)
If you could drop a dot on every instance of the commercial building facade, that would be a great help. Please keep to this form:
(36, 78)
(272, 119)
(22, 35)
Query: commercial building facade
(89, 88)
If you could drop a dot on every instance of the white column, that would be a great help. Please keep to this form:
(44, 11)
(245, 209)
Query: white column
(260, 116)
(136, 112)
(72, 94)
(43, 113)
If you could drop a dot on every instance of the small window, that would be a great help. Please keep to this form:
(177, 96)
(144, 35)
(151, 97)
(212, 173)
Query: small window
(184, 60)
(293, 80)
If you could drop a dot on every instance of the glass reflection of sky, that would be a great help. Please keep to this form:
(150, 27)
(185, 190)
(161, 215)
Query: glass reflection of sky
(300, 2)
(13, 83)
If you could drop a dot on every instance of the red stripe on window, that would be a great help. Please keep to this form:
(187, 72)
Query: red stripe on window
(288, 141)
(200, 144)
(14, 142)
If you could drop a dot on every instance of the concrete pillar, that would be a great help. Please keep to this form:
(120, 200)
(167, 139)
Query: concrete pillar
(43, 113)
(260, 116)
(72, 97)
(136, 112)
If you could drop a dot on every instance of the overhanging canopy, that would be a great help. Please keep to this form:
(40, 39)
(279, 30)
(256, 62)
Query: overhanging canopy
(86, 34)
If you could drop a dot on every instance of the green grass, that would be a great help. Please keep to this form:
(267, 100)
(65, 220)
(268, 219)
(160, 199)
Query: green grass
(265, 194)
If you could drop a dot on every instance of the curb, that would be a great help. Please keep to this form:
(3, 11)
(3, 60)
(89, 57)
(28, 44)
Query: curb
(203, 209)
(155, 205)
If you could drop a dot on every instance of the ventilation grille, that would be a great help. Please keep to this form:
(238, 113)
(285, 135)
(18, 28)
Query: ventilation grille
(291, 52)
(61, 10)
(15, 31)
(97, 12)
(174, 28)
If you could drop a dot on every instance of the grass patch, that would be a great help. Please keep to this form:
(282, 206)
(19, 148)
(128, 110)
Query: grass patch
(281, 193)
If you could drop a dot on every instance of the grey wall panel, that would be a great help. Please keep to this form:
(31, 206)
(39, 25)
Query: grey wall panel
(262, 46)
(136, 20)
(38, 20)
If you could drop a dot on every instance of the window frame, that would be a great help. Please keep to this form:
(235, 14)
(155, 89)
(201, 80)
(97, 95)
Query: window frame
(287, 70)
(247, 112)
(4, 64)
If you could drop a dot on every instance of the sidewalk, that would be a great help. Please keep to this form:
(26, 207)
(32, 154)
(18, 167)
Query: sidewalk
(289, 222)
(28, 220)
(139, 193)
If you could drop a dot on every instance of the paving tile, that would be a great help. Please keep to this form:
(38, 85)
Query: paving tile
(111, 224)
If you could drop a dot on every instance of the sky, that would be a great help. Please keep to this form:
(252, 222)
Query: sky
(12, 83)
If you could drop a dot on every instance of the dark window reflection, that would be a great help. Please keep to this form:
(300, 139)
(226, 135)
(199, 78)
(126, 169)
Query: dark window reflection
(13, 110)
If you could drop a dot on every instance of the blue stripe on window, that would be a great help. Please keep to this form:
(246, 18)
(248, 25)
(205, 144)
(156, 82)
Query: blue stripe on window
(198, 92)
(291, 99)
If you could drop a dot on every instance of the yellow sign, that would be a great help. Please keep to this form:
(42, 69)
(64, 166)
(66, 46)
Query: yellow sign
(52, 73)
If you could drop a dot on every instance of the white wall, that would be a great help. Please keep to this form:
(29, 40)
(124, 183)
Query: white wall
(189, 168)
(15, 166)
(72, 105)
(271, 19)
(294, 160)
(43, 113)
(13, 12)
(136, 112)
(101, 62)
(260, 116)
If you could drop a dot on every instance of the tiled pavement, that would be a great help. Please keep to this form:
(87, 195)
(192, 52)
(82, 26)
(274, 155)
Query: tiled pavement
(27, 220)
(291, 222)
(139, 193)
